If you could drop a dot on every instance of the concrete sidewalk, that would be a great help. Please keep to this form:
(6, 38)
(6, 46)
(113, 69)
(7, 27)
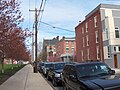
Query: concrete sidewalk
(25, 79)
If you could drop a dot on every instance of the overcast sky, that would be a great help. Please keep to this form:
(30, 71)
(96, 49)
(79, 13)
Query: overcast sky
(64, 14)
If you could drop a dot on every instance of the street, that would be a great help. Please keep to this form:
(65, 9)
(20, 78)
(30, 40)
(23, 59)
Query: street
(59, 87)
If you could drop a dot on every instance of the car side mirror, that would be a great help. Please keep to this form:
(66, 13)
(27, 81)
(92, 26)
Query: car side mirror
(112, 72)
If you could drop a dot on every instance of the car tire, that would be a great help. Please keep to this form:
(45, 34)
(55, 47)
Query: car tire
(48, 78)
(54, 82)
(64, 87)
(45, 75)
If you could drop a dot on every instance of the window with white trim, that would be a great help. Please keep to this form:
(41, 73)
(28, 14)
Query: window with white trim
(96, 32)
(98, 53)
(67, 49)
(108, 47)
(72, 42)
(82, 30)
(95, 21)
(72, 49)
(88, 53)
(117, 32)
(67, 43)
(86, 25)
(87, 40)
(82, 54)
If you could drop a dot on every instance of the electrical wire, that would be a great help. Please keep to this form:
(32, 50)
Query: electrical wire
(112, 0)
(56, 27)
(54, 33)
(35, 3)
(40, 8)
(42, 12)
(29, 15)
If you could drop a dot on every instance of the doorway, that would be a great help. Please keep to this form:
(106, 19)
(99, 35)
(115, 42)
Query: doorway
(115, 61)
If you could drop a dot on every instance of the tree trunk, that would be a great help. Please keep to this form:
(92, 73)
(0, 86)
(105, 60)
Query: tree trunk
(2, 65)
(12, 63)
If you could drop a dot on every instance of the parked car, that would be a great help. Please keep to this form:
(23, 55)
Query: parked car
(40, 67)
(89, 76)
(117, 71)
(46, 67)
(54, 72)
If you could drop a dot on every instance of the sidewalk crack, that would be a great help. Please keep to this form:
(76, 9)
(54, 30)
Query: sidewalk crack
(26, 79)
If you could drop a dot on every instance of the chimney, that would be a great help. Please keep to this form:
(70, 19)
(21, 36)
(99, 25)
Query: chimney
(57, 37)
(63, 37)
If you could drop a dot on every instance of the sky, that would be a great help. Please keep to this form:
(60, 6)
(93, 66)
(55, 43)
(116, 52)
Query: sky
(64, 14)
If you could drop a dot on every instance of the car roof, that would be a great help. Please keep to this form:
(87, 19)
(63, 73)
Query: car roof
(48, 62)
(85, 63)
(57, 62)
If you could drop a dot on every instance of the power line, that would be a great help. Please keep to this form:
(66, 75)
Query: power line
(29, 15)
(52, 32)
(58, 33)
(56, 27)
(112, 0)
(42, 10)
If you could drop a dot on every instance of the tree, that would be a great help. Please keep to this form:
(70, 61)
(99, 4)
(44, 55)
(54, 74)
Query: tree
(44, 56)
(11, 36)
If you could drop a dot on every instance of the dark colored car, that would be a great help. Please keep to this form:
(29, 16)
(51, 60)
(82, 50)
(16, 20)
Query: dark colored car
(46, 68)
(40, 66)
(54, 72)
(89, 76)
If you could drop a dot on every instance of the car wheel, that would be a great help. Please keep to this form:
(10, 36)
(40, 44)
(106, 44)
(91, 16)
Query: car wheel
(54, 82)
(48, 78)
(64, 87)
(45, 75)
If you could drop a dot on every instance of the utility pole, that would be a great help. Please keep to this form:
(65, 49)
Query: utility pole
(36, 24)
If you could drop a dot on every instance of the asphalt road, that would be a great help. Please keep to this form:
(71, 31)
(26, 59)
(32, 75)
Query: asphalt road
(59, 87)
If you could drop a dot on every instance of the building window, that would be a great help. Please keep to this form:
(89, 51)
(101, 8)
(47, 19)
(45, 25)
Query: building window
(67, 43)
(83, 42)
(50, 47)
(67, 50)
(50, 53)
(115, 49)
(119, 48)
(82, 54)
(107, 33)
(117, 32)
(82, 30)
(108, 52)
(73, 50)
(95, 21)
(88, 54)
(96, 36)
(86, 27)
(72, 42)
(98, 53)
(87, 40)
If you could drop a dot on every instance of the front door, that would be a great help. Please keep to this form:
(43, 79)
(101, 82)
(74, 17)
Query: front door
(115, 61)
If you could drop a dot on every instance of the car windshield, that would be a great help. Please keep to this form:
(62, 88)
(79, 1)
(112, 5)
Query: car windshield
(59, 66)
(89, 70)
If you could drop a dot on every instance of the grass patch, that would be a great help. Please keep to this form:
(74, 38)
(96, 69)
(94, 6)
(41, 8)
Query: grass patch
(8, 71)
